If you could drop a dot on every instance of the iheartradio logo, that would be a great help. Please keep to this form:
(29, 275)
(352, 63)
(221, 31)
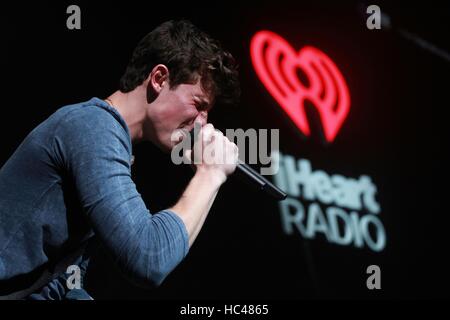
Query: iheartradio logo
(276, 64)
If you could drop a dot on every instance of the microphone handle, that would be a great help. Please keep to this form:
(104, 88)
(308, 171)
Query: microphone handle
(251, 175)
(259, 180)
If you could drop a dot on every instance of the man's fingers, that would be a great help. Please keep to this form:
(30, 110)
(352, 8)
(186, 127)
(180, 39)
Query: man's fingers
(207, 133)
(187, 155)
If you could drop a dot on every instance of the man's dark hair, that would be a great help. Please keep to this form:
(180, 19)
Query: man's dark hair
(188, 53)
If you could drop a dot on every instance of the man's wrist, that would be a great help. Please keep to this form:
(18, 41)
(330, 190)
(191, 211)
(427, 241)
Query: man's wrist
(213, 177)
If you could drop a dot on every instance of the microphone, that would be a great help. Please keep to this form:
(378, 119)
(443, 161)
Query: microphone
(250, 175)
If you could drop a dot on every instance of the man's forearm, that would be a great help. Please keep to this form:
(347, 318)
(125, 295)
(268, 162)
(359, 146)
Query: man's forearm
(196, 201)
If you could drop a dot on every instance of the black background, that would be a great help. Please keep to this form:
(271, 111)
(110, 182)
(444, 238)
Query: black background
(394, 133)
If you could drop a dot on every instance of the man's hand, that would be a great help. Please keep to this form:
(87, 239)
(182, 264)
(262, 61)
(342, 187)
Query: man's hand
(214, 158)
(213, 153)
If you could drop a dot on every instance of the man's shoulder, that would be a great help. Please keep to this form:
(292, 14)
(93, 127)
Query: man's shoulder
(88, 123)
(90, 116)
(91, 127)
(94, 110)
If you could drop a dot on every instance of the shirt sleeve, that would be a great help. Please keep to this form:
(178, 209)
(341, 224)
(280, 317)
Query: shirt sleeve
(95, 150)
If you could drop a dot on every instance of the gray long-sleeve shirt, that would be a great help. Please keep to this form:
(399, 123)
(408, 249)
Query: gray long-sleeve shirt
(71, 178)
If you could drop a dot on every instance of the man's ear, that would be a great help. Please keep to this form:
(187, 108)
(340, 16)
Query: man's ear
(157, 79)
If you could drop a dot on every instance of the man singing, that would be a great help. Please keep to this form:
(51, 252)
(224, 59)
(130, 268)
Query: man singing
(70, 179)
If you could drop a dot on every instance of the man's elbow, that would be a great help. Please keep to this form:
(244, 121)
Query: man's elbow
(149, 276)
(158, 276)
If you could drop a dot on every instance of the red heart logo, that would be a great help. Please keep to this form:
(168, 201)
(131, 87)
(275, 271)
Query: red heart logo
(276, 64)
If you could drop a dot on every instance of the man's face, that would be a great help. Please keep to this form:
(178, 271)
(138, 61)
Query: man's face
(177, 110)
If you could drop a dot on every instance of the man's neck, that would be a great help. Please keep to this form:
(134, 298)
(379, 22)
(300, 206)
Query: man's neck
(129, 107)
